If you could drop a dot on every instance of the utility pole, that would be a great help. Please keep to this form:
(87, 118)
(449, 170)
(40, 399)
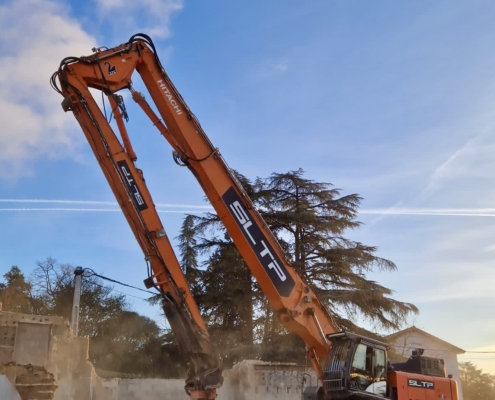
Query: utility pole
(77, 298)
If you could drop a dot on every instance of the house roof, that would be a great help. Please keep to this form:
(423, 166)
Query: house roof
(413, 329)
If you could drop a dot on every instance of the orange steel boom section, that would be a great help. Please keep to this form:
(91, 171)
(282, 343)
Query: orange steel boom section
(111, 70)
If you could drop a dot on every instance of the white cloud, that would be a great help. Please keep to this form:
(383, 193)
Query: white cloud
(270, 67)
(131, 15)
(489, 248)
(34, 37)
(110, 4)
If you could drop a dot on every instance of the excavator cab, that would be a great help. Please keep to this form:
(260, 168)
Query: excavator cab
(356, 368)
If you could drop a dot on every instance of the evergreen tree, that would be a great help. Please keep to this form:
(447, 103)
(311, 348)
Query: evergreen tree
(15, 292)
(187, 258)
(188, 251)
(309, 219)
(476, 385)
(225, 281)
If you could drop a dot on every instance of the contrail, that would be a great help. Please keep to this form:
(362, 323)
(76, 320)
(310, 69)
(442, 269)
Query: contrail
(183, 206)
(112, 203)
(62, 209)
(95, 202)
(98, 210)
(460, 212)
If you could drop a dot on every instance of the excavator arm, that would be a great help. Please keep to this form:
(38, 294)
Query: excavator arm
(110, 71)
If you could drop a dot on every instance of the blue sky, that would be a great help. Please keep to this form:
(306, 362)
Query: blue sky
(391, 100)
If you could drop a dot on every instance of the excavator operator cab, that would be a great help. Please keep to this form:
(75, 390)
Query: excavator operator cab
(356, 367)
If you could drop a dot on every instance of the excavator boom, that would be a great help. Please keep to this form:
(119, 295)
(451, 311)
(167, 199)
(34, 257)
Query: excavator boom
(292, 297)
(111, 71)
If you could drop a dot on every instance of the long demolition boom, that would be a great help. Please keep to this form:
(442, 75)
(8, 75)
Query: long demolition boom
(111, 70)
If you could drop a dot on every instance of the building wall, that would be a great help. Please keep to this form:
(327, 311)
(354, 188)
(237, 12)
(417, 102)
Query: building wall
(404, 345)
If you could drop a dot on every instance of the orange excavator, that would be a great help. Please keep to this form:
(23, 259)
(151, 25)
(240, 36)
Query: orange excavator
(349, 366)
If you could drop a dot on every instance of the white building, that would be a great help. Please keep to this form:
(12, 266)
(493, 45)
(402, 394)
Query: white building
(404, 342)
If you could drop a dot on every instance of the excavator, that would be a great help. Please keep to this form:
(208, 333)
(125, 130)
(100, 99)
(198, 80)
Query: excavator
(348, 365)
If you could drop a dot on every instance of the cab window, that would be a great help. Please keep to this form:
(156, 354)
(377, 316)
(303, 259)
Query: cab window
(379, 370)
(362, 367)
(368, 370)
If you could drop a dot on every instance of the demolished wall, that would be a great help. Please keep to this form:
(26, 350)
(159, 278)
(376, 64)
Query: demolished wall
(45, 343)
(250, 380)
(41, 353)
(247, 380)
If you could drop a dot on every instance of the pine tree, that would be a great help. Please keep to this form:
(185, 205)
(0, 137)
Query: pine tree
(225, 282)
(15, 292)
(189, 252)
(309, 219)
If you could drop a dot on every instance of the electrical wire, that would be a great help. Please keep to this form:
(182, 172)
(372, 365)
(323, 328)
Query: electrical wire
(481, 352)
(118, 291)
(466, 351)
(93, 273)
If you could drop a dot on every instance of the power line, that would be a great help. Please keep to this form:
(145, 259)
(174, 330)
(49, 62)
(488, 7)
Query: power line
(93, 273)
(118, 291)
(481, 352)
(466, 351)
